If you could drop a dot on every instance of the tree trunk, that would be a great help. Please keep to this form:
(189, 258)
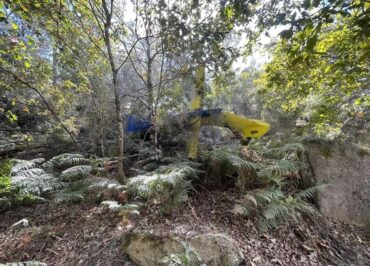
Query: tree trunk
(119, 119)
(108, 11)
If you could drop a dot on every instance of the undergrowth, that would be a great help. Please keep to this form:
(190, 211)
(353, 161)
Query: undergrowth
(168, 186)
(265, 175)
(10, 194)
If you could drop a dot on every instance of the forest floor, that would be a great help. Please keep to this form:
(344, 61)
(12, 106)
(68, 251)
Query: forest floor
(89, 234)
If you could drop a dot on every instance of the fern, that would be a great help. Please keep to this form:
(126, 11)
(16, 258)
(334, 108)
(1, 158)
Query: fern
(65, 160)
(75, 192)
(229, 160)
(76, 172)
(99, 184)
(69, 196)
(168, 185)
(309, 193)
(281, 211)
(281, 152)
(29, 173)
(262, 196)
(21, 165)
(38, 184)
(33, 180)
(273, 207)
(279, 169)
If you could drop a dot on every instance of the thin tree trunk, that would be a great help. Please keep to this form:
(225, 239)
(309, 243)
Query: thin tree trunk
(117, 100)
(120, 139)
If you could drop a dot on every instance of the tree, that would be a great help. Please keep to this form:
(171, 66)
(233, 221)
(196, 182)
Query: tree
(326, 84)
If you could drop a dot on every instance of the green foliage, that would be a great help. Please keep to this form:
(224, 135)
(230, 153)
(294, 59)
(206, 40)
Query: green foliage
(324, 82)
(5, 185)
(229, 160)
(33, 180)
(75, 192)
(282, 151)
(65, 160)
(22, 182)
(5, 170)
(273, 207)
(167, 186)
(21, 165)
(10, 194)
(76, 172)
(37, 184)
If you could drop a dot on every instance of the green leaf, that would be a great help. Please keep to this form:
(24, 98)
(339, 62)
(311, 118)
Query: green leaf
(27, 64)
(14, 26)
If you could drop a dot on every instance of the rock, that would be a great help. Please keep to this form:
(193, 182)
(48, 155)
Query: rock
(217, 249)
(346, 167)
(21, 223)
(207, 249)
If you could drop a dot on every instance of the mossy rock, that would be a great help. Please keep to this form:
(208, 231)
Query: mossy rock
(147, 249)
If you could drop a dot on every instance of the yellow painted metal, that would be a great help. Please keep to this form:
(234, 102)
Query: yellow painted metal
(248, 128)
(197, 103)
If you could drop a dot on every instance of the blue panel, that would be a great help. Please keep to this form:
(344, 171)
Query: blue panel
(135, 124)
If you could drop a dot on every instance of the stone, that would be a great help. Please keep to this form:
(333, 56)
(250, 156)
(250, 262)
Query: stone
(21, 223)
(148, 249)
(345, 166)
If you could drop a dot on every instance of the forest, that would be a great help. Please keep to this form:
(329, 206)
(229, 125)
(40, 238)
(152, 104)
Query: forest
(163, 132)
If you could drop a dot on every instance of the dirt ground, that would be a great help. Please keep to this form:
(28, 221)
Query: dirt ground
(88, 234)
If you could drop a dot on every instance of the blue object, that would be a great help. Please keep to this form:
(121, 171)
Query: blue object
(204, 112)
(135, 124)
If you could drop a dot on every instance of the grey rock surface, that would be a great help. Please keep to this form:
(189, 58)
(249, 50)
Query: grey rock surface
(345, 167)
(147, 249)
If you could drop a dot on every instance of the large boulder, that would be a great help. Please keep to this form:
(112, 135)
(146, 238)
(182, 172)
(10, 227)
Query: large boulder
(345, 167)
(207, 249)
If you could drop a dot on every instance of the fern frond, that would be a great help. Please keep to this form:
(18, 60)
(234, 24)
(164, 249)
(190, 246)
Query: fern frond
(21, 165)
(309, 193)
(240, 163)
(169, 185)
(281, 152)
(268, 195)
(29, 173)
(65, 160)
(276, 211)
(240, 210)
(99, 184)
(72, 196)
(248, 198)
(279, 168)
(76, 173)
(283, 210)
(37, 184)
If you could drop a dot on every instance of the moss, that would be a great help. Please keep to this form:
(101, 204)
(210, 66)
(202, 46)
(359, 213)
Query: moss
(5, 168)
